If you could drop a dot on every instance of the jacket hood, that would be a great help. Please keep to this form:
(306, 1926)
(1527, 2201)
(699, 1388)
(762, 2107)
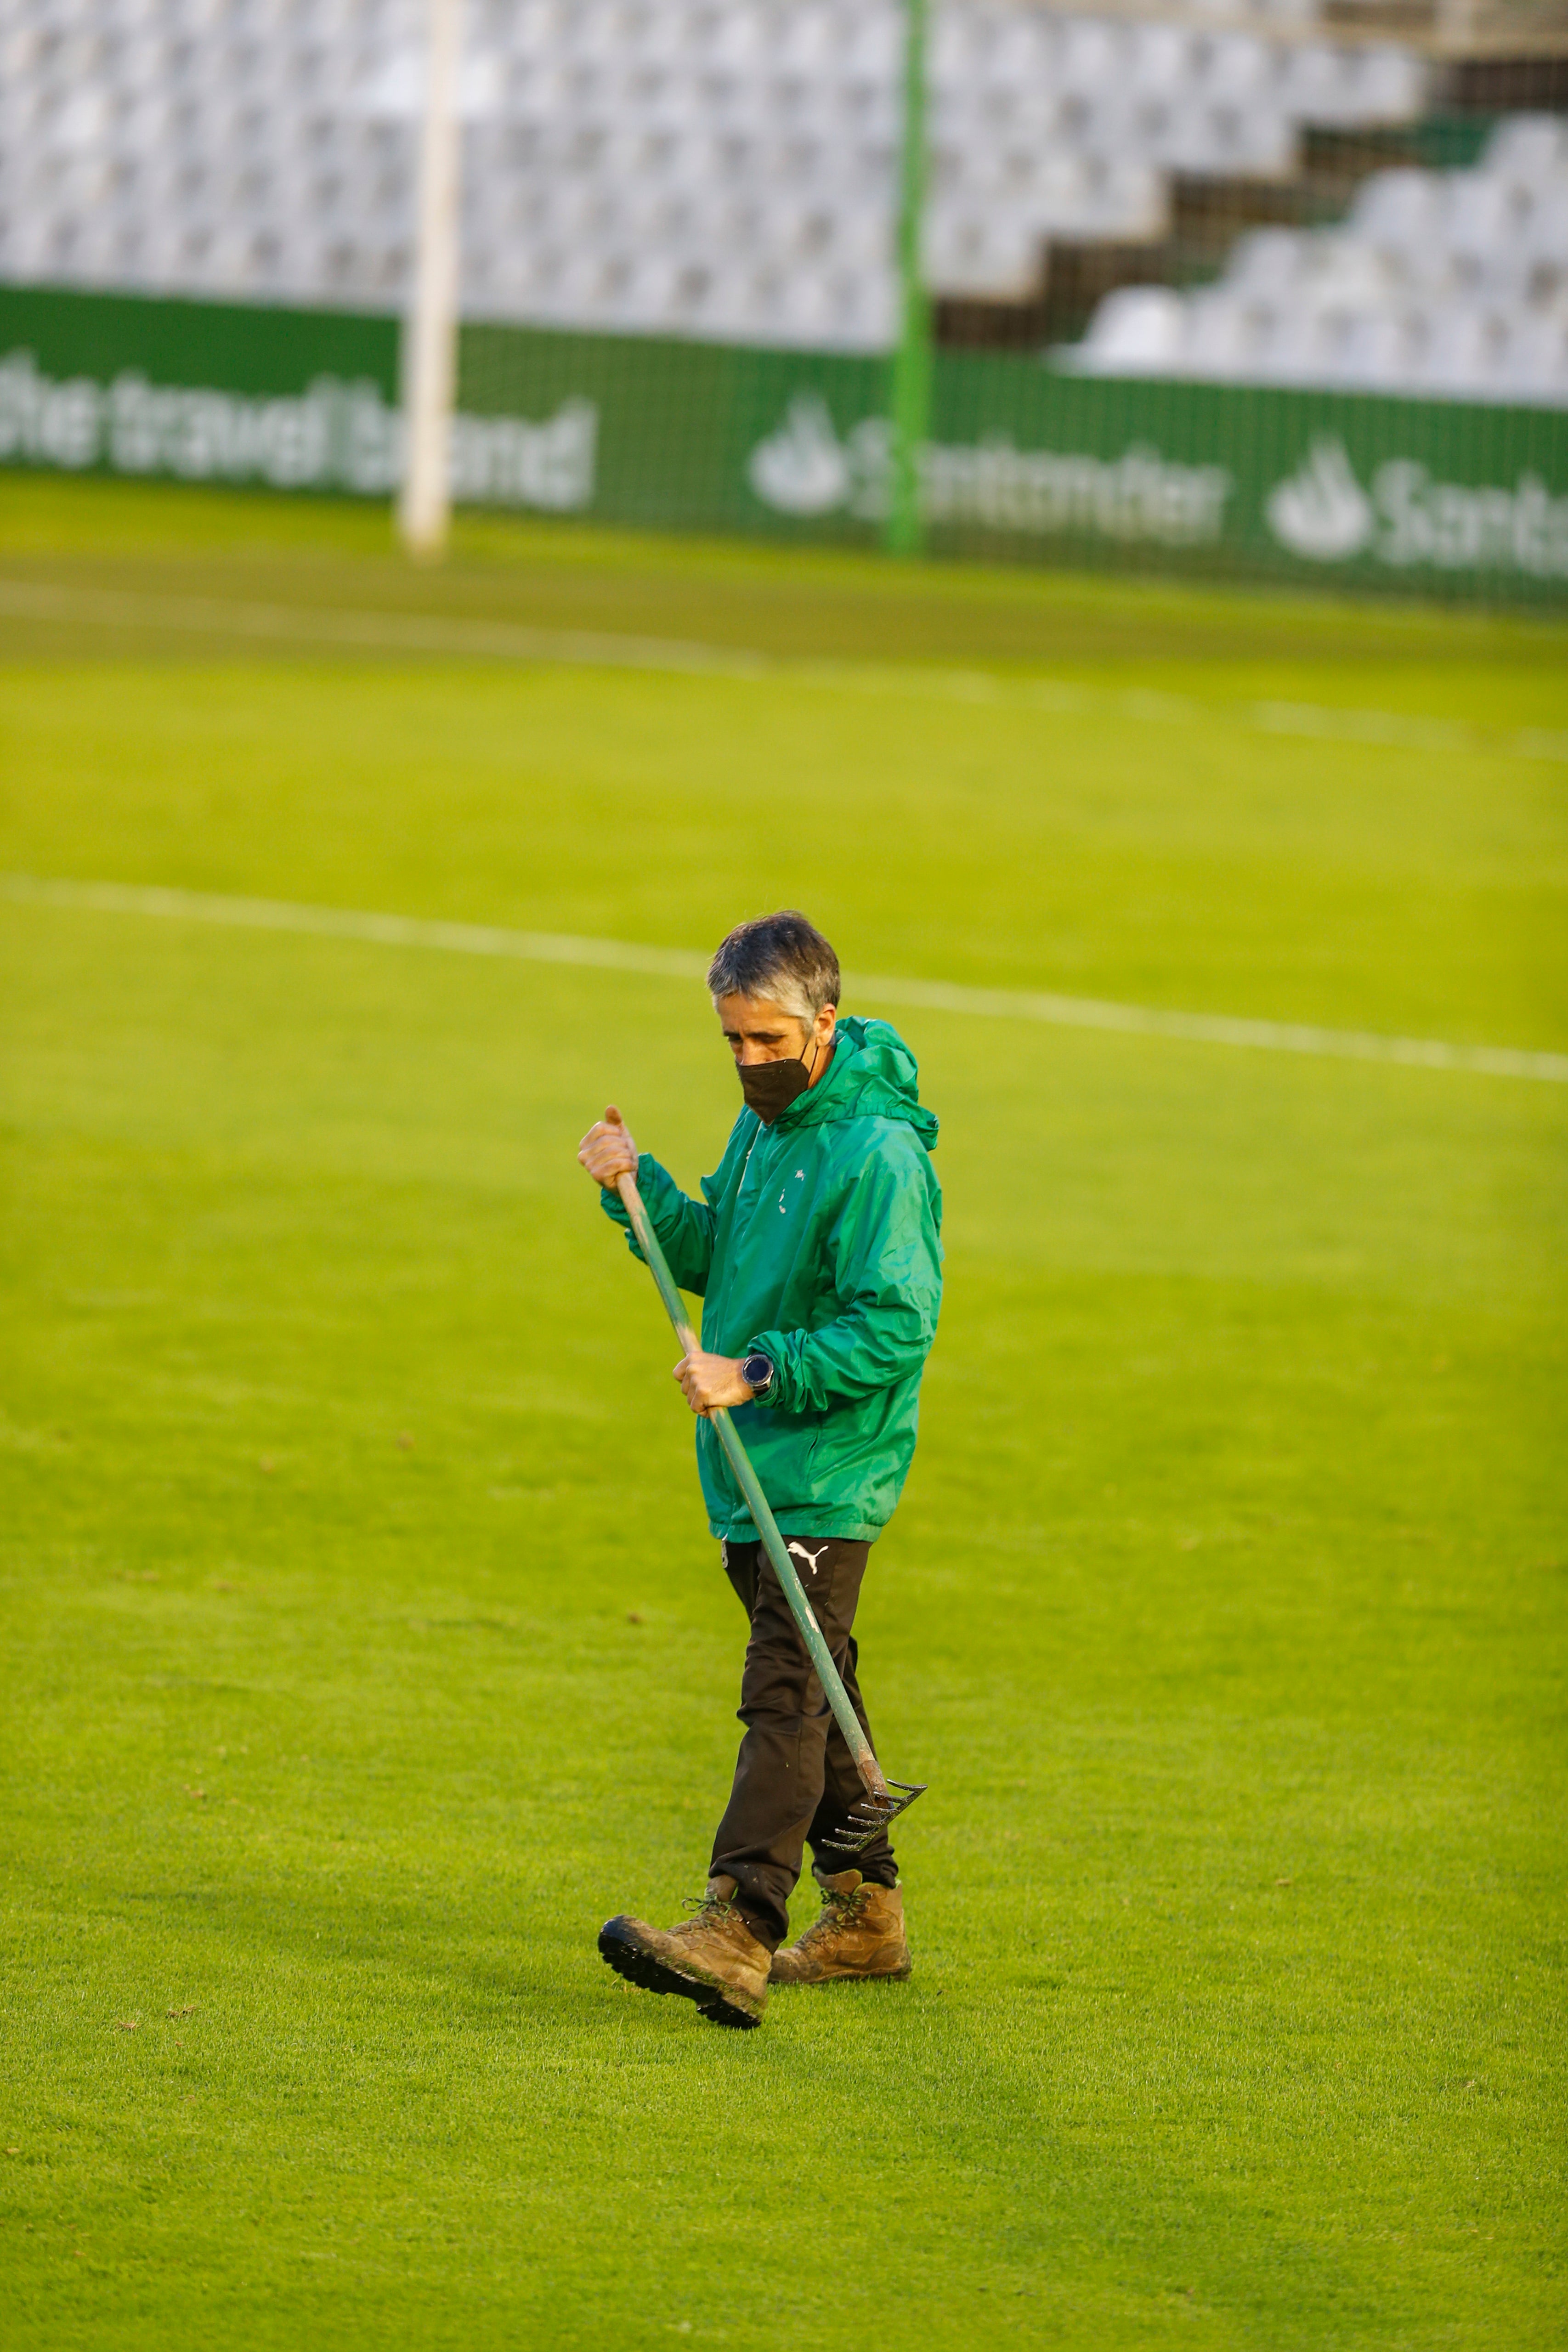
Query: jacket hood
(874, 1076)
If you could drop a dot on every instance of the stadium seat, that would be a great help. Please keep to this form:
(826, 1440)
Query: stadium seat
(1140, 331)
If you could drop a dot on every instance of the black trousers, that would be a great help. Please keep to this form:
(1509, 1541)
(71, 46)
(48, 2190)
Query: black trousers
(795, 1778)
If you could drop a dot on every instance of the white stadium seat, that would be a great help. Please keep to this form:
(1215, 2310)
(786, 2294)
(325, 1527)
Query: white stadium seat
(1140, 331)
(1528, 151)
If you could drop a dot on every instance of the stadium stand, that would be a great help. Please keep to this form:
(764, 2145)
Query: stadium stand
(711, 167)
(1438, 284)
(725, 169)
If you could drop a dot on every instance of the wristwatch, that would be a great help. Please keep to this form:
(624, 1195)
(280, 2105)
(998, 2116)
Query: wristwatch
(759, 1372)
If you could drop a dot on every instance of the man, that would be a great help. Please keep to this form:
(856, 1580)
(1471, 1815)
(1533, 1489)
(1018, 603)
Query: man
(815, 1249)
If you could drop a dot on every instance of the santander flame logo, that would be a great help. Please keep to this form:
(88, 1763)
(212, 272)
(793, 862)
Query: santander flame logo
(1321, 511)
(803, 467)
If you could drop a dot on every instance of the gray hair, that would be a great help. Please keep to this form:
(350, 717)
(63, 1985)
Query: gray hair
(779, 956)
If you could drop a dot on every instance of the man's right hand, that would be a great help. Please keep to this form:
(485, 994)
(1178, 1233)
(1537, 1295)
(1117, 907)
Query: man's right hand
(607, 1150)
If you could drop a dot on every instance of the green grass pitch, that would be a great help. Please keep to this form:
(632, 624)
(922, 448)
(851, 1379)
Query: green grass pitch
(364, 1646)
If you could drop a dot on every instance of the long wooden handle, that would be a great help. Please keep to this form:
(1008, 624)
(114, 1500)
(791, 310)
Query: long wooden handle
(757, 1503)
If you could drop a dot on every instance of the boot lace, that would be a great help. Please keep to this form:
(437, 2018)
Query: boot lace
(708, 1910)
(840, 1909)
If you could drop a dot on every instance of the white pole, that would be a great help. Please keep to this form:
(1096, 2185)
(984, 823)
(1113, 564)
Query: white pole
(430, 328)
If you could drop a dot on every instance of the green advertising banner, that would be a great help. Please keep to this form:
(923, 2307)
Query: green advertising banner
(1026, 461)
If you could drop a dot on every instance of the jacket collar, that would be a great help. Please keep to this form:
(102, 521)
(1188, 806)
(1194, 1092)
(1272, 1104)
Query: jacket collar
(819, 1102)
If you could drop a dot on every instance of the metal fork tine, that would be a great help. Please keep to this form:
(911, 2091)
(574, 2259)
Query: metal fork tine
(868, 1817)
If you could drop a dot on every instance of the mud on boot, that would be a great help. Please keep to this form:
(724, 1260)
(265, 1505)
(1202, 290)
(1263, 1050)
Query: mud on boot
(860, 1933)
(712, 1960)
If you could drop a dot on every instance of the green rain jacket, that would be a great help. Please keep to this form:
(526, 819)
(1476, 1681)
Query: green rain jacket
(818, 1242)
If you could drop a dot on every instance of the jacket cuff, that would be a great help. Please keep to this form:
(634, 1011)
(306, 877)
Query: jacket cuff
(779, 1346)
(614, 1208)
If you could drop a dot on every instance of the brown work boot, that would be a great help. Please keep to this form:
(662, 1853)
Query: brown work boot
(714, 1960)
(860, 1933)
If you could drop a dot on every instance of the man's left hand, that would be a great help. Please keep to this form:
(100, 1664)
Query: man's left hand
(709, 1382)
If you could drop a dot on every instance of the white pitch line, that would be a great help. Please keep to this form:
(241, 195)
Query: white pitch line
(683, 963)
(439, 633)
(425, 633)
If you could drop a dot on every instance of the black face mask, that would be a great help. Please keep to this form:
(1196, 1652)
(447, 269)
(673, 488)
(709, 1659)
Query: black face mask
(771, 1086)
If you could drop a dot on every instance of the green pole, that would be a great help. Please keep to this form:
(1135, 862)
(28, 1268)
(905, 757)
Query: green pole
(912, 358)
